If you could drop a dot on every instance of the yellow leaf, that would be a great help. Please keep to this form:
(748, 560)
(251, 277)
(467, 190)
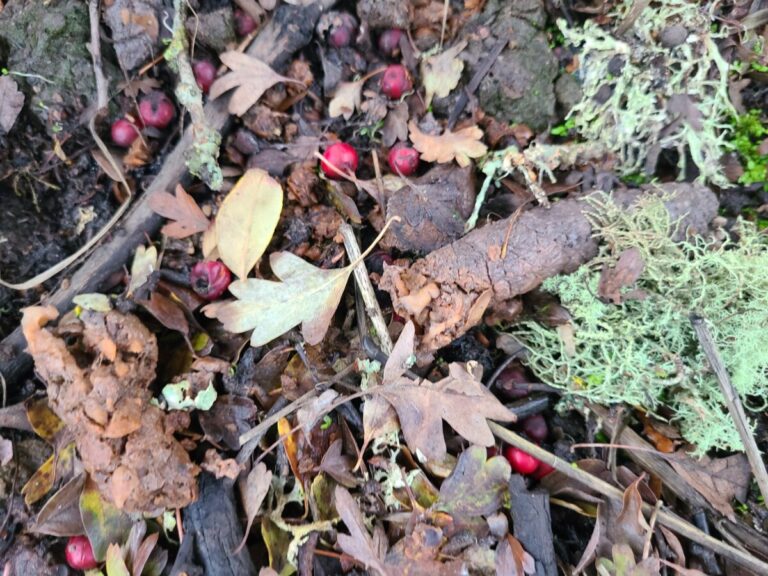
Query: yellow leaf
(346, 99)
(44, 477)
(247, 219)
(461, 145)
(307, 295)
(441, 73)
(250, 77)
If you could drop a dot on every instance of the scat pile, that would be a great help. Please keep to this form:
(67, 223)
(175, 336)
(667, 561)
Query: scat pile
(99, 387)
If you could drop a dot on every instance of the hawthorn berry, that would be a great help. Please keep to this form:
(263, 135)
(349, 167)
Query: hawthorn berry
(210, 279)
(205, 74)
(156, 110)
(389, 41)
(512, 383)
(395, 81)
(403, 160)
(535, 427)
(544, 469)
(244, 23)
(342, 31)
(342, 156)
(522, 462)
(123, 133)
(79, 553)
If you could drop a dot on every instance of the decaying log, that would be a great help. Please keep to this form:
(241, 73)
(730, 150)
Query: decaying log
(290, 29)
(447, 292)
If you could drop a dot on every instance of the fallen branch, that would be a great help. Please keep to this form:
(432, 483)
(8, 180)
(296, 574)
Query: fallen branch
(289, 30)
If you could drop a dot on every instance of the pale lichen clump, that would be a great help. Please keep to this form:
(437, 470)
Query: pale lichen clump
(644, 351)
(661, 85)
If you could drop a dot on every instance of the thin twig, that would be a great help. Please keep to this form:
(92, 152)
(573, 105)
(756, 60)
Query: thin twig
(366, 289)
(102, 90)
(664, 517)
(733, 402)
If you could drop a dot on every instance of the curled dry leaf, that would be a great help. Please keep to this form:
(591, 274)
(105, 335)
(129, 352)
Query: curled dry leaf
(441, 73)
(460, 146)
(247, 219)
(256, 488)
(346, 99)
(188, 218)
(359, 543)
(249, 76)
(307, 295)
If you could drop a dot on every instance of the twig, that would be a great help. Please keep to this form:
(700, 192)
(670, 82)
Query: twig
(733, 402)
(366, 289)
(102, 91)
(664, 517)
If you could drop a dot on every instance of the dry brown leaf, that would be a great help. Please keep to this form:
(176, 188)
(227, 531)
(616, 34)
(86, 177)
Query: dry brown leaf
(459, 146)
(460, 399)
(395, 125)
(253, 493)
(11, 102)
(441, 73)
(249, 76)
(359, 543)
(182, 208)
(346, 99)
(220, 467)
(624, 274)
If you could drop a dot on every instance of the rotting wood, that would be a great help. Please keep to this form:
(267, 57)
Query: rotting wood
(532, 524)
(289, 30)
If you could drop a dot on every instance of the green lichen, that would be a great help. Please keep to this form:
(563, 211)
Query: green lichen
(644, 351)
(627, 109)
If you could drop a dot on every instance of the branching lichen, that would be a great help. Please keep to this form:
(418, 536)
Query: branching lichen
(202, 158)
(644, 351)
(648, 91)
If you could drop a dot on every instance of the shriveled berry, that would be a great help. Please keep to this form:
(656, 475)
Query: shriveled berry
(123, 133)
(156, 110)
(535, 427)
(522, 462)
(210, 279)
(342, 31)
(342, 156)
(244, 23)
(389, 41)
(512, 383)
(79, 553)
(395, 81)
(403, 160)
(205, 74)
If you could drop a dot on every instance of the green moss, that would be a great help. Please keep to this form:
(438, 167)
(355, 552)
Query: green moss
(749, 131)
(644, 351)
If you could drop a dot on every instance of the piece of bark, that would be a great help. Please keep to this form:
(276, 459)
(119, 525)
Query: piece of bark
(289, 30)
(447, 292)
(432, 209)
(532, 524)
(217, 531)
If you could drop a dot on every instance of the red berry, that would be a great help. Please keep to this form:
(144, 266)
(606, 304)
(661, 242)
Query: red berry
(156, 110)
(210, 279)
(123, 133)
(79, 553)
(403, 160)
(522, 462)
(536, 428)
(342, 31)
(244, 23)
(395, 81)
(389, 41)
(342, 156)
(544, 469)
(205, 74)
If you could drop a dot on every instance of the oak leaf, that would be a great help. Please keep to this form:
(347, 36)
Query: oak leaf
(441, 73)
(358, 543)
(250, 78)
(247, 219)
(461, 145)
(188, 218)
(346, 99)
(307, 295)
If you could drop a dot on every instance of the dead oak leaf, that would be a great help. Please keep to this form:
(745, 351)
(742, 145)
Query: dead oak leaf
(358, 543)
(459, 146)
(441, 73)
(346, 99)
(188, 218)
(250, 78)
(460, 399)
(11, 102)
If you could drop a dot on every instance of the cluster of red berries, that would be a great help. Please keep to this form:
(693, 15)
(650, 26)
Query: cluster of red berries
(155, 110)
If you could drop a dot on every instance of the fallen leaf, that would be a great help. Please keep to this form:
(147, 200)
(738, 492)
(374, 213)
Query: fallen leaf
(624, 274)
(346, 99)
(167, 312)
(256, 488)
(144, 263)
(11, 102)
(115, 564)
(512, 559)
(188, 218)
(307, 295)
(477, 485)
(250, 77)
(337, 465)
(94, 301)
(247, 219)
(104, 523)
(461, 145)
(308, 416)
(45, 476)
(623, 563)
(60, 515)
(229, 417)
(395, 125)
(220, 467)
(441, 73)
(358, 543)
(178, 398)
(460, 399)
(719, 480)
(402, 357)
